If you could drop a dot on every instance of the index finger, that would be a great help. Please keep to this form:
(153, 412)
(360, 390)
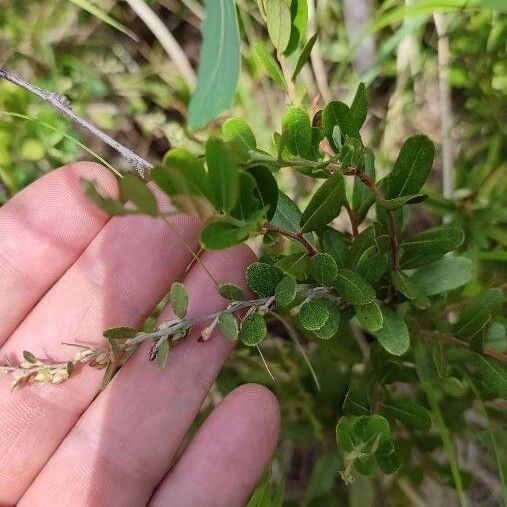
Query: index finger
(43, 230)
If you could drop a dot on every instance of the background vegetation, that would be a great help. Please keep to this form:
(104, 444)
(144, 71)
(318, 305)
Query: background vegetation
(439, 68)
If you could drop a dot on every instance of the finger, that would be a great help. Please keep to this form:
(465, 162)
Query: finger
(225, 460)
(120, 277)
(43, 230)
(125, 442)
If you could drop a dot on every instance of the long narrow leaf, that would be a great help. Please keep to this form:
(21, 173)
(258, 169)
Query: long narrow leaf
(219, 64)
(96, 11)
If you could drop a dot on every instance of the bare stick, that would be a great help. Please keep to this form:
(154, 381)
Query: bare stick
(445, 103)
(62, 104)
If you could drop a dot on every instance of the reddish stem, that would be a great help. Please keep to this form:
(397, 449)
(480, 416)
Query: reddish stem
(393, 236)
(353, 220)
(297, 236)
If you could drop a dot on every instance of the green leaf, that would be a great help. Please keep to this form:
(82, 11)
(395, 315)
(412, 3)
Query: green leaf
(366, 465)
(297, 132)
(223, 175)
(236, 129)
(336, 244)
(219, 63)
(405, 285)
(135, 190)
(323, 269)
(286, 290)
(422, 248)
(231, 292)
(322, 479)
(29, 357)
(295, 264)
(287, 214)
(270, 64)
(349, 120)
(103, 15)
(370, 316)
(304, 56)
(474, 318)
(109, 205)
(278, 19)
(220, 235)
(120, 333)
(408, 413)
(314, 313)
(443, 275)
(228, 326)
(253, 329)
(494, 375)
(398, 202)
(362, 196)
(267, 188)
(390, 463)
(299, 15)
(393, 335)
(411, 168)
(352, 152)
(358, 111)
(163, 352)
(332, 325)
(183, 178)
(357, 400)
(325, 204)
(345, 437)
(248, 203)
(178, 298)
(425, 364)
(454, 387)
(335, 114)
(370, 429)
(353, 287)
(263, 278)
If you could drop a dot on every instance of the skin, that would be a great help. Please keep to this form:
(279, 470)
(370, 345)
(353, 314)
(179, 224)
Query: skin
(67, 272)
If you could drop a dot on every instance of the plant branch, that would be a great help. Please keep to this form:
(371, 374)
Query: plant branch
(353, 220)
(62, 104)
(441, 26)
(184, 325)
(34, 369)
(452, 340)
(291, 89)
(393, 235)
(297, 236)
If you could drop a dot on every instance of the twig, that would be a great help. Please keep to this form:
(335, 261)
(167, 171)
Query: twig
(62, 104)
(294, 337)
(452, 340)
(393, 235)
(265, 362)
(297, 236)
(316, 56)
(34, 369)
(291, 89)
(186, 324)
(353, 220)
(445, 103)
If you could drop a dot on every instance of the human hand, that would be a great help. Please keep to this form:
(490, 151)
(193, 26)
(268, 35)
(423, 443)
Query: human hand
(67, 272)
